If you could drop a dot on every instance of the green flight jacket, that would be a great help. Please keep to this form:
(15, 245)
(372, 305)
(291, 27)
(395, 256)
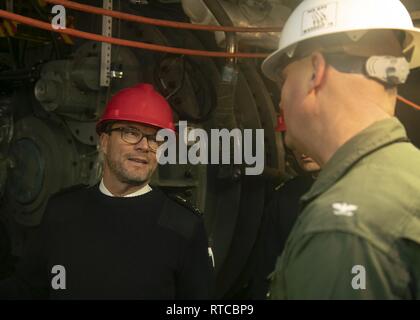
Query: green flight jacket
(358, 234)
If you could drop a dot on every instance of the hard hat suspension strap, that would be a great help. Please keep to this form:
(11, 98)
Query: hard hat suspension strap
(388, 70)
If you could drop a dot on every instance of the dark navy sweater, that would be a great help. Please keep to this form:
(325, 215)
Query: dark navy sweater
(144, 247)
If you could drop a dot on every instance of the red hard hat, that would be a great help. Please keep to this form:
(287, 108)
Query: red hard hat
(142, 104)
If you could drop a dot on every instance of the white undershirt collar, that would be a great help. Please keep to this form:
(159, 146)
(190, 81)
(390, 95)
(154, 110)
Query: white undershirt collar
(140, 192)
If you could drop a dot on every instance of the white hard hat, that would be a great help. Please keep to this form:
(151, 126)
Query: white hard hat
(315, 18)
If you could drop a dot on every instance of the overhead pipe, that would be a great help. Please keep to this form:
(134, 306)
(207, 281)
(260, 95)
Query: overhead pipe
(145, 46)
(408, 102)
(157, 22)
(127, 43)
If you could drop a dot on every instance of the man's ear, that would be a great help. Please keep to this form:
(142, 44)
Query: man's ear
(103, 142)
(319, 68)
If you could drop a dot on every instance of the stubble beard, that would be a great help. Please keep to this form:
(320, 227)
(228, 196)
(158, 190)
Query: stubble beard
(126, 177)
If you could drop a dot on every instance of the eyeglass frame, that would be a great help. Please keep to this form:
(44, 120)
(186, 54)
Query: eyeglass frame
(149, 137)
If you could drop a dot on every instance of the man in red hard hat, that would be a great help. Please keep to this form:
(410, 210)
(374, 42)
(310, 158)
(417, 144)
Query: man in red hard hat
(128, 142)
(121, 239)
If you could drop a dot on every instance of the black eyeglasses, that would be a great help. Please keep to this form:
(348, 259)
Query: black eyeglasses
(134, 136)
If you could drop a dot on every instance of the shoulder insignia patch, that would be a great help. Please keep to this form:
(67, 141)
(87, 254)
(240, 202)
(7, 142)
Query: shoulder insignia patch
(344, 209)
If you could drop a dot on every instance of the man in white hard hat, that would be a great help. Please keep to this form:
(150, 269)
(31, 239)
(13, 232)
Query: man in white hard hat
(358, 234)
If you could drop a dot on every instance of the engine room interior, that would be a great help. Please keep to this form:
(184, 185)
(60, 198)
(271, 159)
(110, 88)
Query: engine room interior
(54, 87)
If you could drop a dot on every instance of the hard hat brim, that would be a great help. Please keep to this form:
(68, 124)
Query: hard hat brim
(415, 60)
(151, 123)
(271, 64)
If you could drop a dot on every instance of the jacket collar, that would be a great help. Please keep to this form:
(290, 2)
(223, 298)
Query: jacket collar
(371, 139)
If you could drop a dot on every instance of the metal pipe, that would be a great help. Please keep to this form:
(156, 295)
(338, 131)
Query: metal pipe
(224, 20)
(127, 43)
(157, 22)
